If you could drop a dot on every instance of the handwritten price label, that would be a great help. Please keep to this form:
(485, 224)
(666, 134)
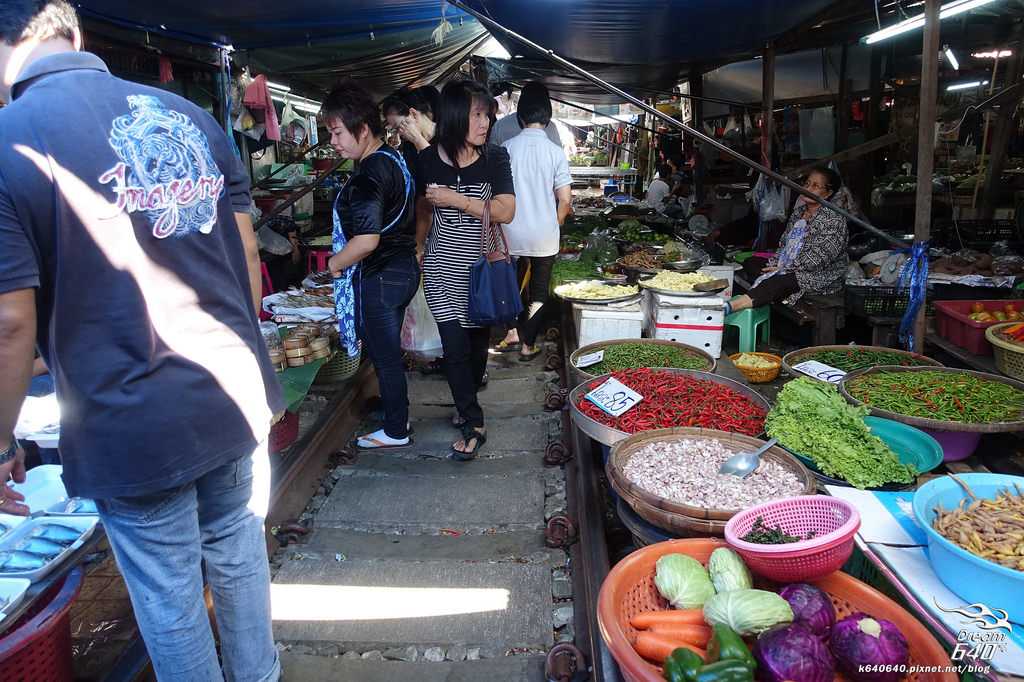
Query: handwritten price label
(589, 359)
(819, 370)
(614, 397)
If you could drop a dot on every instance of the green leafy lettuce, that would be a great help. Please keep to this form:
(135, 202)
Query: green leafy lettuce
(811, 418)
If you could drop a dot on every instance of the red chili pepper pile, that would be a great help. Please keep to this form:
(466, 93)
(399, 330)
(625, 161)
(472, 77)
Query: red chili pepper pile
(677, 400)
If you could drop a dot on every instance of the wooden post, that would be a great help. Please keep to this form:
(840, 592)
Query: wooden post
(926, 142)
(767, 104)
(1003, 128)
(843, 105)
(984, 135)
(697, 105)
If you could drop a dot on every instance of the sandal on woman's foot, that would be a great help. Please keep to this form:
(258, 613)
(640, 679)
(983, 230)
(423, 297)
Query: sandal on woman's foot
(469, 435)
(504, 346)
(525, 356)
(380, 440)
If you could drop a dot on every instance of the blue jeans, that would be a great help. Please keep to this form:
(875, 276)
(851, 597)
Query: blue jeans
(160, 542)
(380, 311)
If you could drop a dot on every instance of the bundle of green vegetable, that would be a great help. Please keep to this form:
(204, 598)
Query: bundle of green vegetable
(567, 270)
(859, 358)
(945, 396)
(633, 355)
(812, 419)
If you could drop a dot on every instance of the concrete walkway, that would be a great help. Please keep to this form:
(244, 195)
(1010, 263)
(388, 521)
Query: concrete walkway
(423, 568)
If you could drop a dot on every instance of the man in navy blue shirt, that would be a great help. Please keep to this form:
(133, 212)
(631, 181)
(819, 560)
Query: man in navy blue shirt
(127, 257)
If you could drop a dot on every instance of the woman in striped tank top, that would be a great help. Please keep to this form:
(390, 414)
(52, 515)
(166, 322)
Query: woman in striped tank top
(457, 176)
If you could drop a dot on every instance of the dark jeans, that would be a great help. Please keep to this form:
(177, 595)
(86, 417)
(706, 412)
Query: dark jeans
(380, 311)
(540, 282)
(775, 288)
(465, 360)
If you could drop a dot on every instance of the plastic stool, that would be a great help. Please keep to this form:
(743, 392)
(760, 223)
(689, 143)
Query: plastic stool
(320, 258)
(747, 322)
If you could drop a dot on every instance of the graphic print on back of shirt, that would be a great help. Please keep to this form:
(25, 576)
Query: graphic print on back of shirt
(166, 171)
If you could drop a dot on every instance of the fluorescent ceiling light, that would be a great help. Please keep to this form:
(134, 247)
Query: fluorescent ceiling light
(275, 86)
(946, 11)
(993, 54)
(300, 103)
(952, 59)
(965, 86)
(310, 107)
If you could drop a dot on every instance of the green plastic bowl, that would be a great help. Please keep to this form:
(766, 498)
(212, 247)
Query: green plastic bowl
(911, 445)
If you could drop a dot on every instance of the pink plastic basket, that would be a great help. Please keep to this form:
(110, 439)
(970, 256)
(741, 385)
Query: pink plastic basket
(833, 521)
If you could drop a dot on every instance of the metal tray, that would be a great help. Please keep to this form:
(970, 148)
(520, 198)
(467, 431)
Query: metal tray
(685, 294)
(606, 435)
(595, 301)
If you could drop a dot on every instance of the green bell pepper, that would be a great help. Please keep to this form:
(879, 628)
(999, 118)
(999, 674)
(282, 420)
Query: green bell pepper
(726, 645)
(726, 671)
(682, 666)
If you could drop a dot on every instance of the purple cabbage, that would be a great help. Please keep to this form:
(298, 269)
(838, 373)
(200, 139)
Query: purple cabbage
(860, 640)
(811, 608)
(792, 653)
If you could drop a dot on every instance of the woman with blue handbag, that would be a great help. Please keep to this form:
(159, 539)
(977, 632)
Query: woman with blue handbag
(374, 264)
(463, 178)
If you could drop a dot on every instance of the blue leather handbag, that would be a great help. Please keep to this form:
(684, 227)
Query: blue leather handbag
(493, 289)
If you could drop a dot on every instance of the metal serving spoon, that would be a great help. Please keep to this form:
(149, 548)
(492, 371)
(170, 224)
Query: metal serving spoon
(743, 464)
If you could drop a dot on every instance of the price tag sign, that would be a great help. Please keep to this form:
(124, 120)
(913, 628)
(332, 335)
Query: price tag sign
(589, 359)
(819, 370)
(614, 397)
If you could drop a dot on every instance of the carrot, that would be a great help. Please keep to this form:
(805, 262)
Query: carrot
(648, 619)
(656, 647)
(698, 635)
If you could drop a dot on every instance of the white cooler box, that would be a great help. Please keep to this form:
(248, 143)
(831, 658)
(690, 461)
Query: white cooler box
(607, 323)
(695, 321)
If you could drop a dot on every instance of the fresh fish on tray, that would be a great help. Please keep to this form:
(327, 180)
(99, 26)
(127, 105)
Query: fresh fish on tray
(17, 561)
(40, 546)
(56, 532)
(77, 505)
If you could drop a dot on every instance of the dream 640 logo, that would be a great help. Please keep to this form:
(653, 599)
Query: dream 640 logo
(985, 634)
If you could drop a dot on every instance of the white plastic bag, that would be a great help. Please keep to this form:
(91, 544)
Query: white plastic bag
(770, 199)
(419, 330)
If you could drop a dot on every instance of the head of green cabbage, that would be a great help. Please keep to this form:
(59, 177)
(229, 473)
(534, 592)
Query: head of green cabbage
(748, 612)
(683, 581)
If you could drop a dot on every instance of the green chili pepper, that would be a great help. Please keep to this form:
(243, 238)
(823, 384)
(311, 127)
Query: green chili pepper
(634, 355)
(945, 396)
(858, 358)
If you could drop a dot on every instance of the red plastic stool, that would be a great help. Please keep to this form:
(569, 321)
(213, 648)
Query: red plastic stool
(320, 258)
(38, 647)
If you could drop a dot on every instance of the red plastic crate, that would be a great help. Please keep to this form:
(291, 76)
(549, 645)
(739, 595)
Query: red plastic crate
(954, 325)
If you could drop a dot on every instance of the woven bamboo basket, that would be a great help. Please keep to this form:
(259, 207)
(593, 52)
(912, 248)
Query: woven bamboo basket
(677, 516)
(339, 368)
(759, 375)
(581, 375)
(937, 424)
(798, 356)
(1009, 357)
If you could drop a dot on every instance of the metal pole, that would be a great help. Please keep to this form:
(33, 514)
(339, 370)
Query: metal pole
(926, 142)
(550, 54)
(768, 103)
(984, 134)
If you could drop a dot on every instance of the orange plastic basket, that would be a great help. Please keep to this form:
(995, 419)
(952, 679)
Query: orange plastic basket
(629, 589)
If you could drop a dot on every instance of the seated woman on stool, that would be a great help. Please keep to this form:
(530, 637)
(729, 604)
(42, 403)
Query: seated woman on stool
(812, 257)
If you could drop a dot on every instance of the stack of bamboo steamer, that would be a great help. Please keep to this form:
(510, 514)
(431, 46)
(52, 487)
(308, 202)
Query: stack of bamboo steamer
(278, 359)
(306, 344)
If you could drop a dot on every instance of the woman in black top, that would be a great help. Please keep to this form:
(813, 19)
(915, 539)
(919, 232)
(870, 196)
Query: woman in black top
(458, 176)
(374, 213)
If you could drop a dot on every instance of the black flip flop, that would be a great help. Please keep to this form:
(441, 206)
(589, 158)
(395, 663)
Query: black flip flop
(469, 433)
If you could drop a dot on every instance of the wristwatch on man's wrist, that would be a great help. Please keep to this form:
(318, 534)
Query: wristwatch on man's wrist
(8, 454)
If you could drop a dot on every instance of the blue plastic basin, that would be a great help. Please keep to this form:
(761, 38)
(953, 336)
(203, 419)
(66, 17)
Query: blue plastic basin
(972, 578)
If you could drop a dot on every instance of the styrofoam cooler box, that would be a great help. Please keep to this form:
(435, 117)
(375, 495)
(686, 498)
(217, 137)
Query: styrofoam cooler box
(726, 272)
(606, 323)
(695, 321)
